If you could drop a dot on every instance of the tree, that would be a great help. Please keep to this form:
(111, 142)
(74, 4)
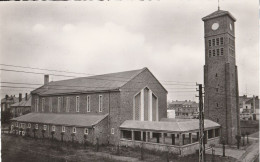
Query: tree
(5, 117)
(238, 138)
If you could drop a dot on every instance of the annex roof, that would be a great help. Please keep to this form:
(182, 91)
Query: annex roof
(218, 13)
(81, 120)
(106, 82)
(165, 125)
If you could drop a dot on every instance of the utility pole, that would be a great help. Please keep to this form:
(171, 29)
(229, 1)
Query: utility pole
(201, 126)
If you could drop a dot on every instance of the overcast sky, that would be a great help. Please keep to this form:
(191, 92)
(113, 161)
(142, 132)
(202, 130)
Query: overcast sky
(96, 37)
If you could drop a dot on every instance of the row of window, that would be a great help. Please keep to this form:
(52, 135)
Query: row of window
(63, 128)
(216, 41)
(67, 107)
(216, 52)
(53, 128)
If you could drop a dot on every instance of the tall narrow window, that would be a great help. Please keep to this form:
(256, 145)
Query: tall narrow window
(221, 40)
(217, 52)
(43, 104)
(29, 125)
(213, 52)
(59, 104)
(44, 127)
(74, 129)
(36, 105)
(77, 104)
(36, 126)
(209, 43)
(67, 104)
(88, 103)
(100, 103)
(53, 128)
(63, 129)
(222, 51)
(213, 42)
(50, 104)
(209, 53)
(217, 41)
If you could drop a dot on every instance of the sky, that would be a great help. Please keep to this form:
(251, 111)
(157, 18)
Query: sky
(98, 37)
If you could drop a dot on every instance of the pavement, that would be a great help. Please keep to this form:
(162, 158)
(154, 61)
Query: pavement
(244, 154)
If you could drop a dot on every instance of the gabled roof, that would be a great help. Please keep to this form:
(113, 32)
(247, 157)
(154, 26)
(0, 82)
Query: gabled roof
(81, 120)
(106, 82)
(218, 13)
(167, 125)
(23, 103)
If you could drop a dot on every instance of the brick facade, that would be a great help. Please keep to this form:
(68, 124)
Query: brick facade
(220, 75)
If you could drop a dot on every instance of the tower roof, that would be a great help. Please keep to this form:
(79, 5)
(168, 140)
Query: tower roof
(218, 13)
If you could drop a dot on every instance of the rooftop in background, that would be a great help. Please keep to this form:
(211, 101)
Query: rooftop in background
(218, 13)
(169, 125)
(24, 102)
(15, 99)
(186, 102)
(81, 120)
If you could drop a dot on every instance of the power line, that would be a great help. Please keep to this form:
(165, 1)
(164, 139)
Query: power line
(19, 71)
(36, 68)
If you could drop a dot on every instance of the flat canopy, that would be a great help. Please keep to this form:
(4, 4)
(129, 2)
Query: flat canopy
(177, 126)
(81, 120)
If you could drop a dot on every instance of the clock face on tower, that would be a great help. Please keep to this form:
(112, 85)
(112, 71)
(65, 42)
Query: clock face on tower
(230, 26)
(215, 26)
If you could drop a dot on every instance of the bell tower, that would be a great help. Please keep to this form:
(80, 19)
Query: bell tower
(220, 74)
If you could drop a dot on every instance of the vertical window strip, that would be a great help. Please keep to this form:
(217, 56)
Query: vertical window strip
(88, 103)
(222, 51)
(213, 52)
(50, 104)
(100, 103)
(209, 43)
(217, 52)
(77, 103)
(43, 104)
(209, 53)
(67, 104)
(217, 41)
(59, 104)
(213, 42)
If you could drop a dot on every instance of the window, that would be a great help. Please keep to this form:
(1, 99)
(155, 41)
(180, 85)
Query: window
(216, 75)
(59, 104)
(44, 127)
(50, 104)
(86, 131)
(16, 124)
(74, 129)
(63, 128)
(67, 104)
(222, 51)
(213, 52)
(36, 105)
(36, 126)
(53, 128)
(209, 43)
(23, 125)
(209, 53)
(43, 104)
(217, 104)
(217, 52)
(20, 125)
(221, 40)
(77, 104)
(213, 42)
(216, 89)
(112, 131)
(100, 103)
(217, 41)
(29, 125)
(88, 103)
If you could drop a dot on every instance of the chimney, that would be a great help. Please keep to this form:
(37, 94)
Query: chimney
(46, 79)
(20, 97)
(26, 97)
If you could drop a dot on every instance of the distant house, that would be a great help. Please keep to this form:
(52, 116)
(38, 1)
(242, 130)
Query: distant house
(184, 109)
(7, 102)
(249, 107)
(22, 107)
